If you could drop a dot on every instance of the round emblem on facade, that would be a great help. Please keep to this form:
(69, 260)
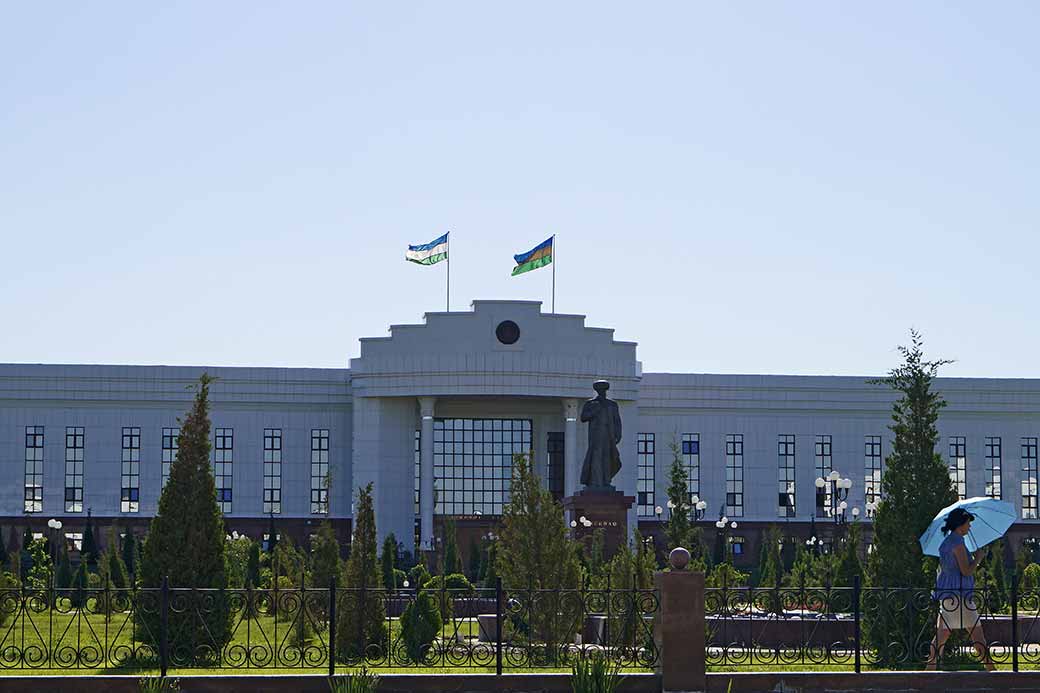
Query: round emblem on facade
(507, 332)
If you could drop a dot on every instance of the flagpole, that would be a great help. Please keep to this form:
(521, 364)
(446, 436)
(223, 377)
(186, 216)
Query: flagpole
(554, 274)
(447, 290)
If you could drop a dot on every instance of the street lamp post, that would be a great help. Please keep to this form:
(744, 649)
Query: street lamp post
(723, 525)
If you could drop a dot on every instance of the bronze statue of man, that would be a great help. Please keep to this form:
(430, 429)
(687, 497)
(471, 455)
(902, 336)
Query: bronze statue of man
(602, 460)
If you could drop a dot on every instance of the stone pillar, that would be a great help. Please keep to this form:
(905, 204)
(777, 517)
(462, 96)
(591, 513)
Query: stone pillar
(679, 626)
(426, 473)
(570, 447)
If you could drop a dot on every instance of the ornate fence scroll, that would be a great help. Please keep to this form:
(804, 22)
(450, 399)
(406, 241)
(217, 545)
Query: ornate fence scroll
(172, 628)
(854, 628)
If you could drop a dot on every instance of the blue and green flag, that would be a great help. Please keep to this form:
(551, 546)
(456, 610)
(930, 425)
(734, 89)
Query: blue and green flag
(538, 256)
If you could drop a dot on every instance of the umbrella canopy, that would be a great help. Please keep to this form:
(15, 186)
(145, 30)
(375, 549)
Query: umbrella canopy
(992, 519)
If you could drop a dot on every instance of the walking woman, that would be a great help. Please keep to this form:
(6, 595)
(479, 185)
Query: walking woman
(955, 589)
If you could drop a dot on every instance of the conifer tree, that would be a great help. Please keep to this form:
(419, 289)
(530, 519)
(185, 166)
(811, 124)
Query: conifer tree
(491, 566)
(389, 559)
(186, 539)
(534, 551)
(89, 547)
(678, 528)
(128, 551)
(272, 537)
(113, 567)
(451, 548)
(325, 561)
(361, 619)
(63, 575)
(850, 563)
(916, 485)
(253, 566)
(770, 567)
(25, 557)
(3, 550)
(475, 561)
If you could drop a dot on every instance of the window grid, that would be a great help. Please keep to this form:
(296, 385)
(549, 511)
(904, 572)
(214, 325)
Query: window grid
(473, 463)
(417, 491)
(130, 472)
(735, 475)
(872, 470)
(645, 449)
(319, 471)
(223, 459)
(824, 466)
(272, 471)
(74, 469)
(691, 457)
(169, 451)
(33, 469)
(1029, 479)
(993, 455)
(959, 465)
(554, 445)
(785, 451)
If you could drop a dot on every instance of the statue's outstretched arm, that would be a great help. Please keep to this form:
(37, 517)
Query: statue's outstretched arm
(588, 411)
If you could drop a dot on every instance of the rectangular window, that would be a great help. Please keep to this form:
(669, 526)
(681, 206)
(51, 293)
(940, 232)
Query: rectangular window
(785, 476)
(691, 457)
(824, 466)
(735, 475)
(33, 469)
(473, 463)
(959, 465)
(74, 541)
(223, 460)
(272, 471)
(417, 492)
(872, 470)
(73, 469)
(1029, 479)
(554, 463)
(993, 455)
(319, 471)
(130, 474)
(647, 478)
(169, 451)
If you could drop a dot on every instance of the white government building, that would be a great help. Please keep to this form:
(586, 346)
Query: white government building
(445, 404)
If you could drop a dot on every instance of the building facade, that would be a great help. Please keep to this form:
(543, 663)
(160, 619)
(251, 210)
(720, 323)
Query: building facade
(432, 414)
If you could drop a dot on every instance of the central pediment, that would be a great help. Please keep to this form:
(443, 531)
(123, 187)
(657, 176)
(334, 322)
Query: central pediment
(496, 348)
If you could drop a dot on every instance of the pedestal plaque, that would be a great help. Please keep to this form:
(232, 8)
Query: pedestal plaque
(606, 510)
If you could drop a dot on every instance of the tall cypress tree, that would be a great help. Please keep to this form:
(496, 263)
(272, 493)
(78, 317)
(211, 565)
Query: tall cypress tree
(361, 618)
(186, 539)
(915, 487)
(113, 566)
(451, 548)
(128, 550)
(63, 575)
(678, 528)
(89, 548)
(389, 559)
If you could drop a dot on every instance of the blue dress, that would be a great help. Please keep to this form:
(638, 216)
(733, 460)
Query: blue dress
(950, 582)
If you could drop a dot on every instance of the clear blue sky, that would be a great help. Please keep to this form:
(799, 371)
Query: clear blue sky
(740, 187)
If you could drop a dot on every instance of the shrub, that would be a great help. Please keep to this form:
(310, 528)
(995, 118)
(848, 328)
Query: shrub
(446, 589)
(421, 622)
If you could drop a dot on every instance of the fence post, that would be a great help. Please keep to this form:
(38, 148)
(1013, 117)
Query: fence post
(679, 626)
(164, 608)
(856, 595)
(1014, 620)
(332, 625)
(498, 626)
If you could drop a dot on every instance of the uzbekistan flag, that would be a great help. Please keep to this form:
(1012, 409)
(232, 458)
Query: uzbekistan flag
(539, 256)
(429, 253)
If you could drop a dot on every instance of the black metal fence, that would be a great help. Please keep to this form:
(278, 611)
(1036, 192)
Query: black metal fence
(321, 628)
(852, 628)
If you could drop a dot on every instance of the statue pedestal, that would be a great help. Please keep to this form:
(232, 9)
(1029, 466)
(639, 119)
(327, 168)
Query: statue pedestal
(607, 510)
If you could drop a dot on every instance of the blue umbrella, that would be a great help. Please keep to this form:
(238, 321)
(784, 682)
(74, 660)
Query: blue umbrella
(992, 519)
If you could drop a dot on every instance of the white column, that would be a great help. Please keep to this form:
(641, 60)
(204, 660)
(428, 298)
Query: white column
(570, 447)
(426, 473)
